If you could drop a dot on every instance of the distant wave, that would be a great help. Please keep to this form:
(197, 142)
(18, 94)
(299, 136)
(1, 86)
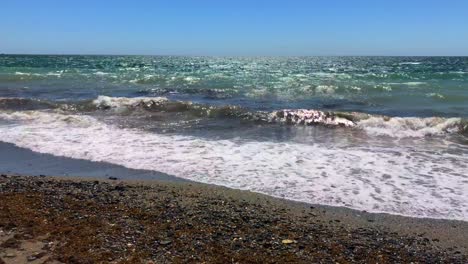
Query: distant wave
(410, 63)
(408, 83)
(22, 76)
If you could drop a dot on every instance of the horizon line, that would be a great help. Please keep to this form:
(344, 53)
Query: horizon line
(194, 55)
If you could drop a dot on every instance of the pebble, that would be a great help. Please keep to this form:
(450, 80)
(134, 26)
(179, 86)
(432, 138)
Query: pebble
(203, 224)
(287, 241)
(10, 255)
(165, 242)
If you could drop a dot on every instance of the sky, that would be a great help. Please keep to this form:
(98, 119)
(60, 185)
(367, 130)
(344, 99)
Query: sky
(235, 28)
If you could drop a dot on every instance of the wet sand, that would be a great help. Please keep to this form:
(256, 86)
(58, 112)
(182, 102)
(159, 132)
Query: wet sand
(18, 160)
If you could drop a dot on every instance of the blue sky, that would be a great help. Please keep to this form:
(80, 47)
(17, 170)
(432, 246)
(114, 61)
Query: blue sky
(241, 27)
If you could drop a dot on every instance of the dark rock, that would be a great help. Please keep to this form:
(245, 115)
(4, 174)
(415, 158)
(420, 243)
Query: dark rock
(119, 188)
(11, 243)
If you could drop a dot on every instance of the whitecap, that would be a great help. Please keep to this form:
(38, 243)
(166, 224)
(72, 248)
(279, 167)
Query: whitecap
(325, 89)
(410, 63)
(100, 73)
(22, 73)
(410, 127)
(435, 95)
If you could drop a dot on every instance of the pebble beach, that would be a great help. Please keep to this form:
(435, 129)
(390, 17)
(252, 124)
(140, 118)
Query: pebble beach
(76, 220)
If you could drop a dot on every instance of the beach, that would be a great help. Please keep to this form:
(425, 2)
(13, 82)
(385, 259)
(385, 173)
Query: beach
(77, 220)
(176, 159)
(121, 215)
(381, 134)
(233, 132)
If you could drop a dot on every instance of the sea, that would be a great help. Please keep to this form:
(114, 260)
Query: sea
(380, 134)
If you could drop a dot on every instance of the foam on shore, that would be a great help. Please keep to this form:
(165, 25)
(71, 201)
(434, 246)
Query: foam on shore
(400, 180)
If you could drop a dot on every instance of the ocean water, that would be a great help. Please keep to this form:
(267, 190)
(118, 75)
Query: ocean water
(382, 134)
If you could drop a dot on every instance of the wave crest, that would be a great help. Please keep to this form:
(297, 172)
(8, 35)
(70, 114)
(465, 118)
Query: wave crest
(310, 117)
(413, 126)
(398, 127)
(107, 102)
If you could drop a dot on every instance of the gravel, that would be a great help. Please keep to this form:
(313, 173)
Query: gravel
(90, 221)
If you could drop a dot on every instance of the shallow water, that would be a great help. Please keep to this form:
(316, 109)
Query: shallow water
(383, 134)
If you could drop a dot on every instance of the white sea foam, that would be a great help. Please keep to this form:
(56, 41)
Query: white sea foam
(309, 117)
(41, 75)
(408, 83)
(407, 127)
(325, 89)
(22, 73)
(191, 79)
(435, 95)
(414, 83)
(100, 73)
(56, 73)
(399, 179)
(410, 63)
(121, 102)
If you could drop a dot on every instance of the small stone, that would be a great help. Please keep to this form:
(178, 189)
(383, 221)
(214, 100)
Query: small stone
(10, 255)
(165, 242)
(39, 255)
(119, 188)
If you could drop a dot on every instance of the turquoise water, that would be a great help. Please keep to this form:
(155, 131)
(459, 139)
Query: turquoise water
(396, 86)
(382, 134)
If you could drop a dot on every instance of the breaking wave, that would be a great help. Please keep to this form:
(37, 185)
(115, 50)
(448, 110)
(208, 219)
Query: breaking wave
(374, 124)
(375, 179)
(399, 127)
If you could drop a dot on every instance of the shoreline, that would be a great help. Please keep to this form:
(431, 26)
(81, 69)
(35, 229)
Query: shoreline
(71, 179)
(16, 160)
(211, 222)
